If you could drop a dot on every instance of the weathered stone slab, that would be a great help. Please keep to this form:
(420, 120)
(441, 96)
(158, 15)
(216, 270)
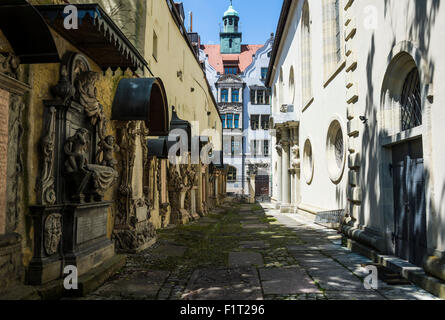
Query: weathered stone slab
(4, 116)
(354, 295)
(143, 285)
(224, 284)
(169, 250)
(254, 226)
(336, 279)
(405, 293)
(308, 259)
(242, 259)
(321, 247)
(253, 244)
(286, 281)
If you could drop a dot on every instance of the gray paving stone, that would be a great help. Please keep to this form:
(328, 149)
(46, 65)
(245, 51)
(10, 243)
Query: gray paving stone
(143, 285)
(254, 226)
(410, 292)
(353, 295)
(286, 281)
(336, 279)
(309, 247)
(241, 259)
(224, 284)
(169, 250)
(253, 244)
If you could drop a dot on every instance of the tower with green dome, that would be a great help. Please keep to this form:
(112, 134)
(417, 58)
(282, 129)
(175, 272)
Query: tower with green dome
(230, 38)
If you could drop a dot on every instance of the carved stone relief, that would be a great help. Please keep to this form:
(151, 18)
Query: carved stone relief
(53, 233)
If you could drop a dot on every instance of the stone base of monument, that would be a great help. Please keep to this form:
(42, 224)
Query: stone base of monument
(136, 240)
(180, 217)
(69, 235)
(10, 251)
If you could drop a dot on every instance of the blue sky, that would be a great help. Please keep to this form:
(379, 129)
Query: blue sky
(258, 18)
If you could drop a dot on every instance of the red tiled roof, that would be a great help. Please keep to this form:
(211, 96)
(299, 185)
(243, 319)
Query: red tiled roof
(243, 60)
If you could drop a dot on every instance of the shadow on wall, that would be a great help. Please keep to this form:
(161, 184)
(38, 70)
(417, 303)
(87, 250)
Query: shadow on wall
(425, 13)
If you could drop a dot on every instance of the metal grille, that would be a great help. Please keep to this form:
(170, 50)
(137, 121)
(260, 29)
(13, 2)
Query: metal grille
(339, 148)
(411, 109)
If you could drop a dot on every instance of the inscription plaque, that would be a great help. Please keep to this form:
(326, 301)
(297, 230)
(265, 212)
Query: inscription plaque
(4, 115)
(91, 225)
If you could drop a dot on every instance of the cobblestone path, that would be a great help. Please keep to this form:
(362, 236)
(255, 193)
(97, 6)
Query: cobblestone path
(247, 252)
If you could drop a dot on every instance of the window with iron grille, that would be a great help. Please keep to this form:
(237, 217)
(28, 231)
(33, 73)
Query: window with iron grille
(339, 148)
(411, 107)
(223, 119)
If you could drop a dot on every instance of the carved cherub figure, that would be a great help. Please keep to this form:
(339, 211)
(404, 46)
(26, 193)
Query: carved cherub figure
(76, 149)
(106, 149)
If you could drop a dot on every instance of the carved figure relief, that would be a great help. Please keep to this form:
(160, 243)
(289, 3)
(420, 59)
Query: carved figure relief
(105, 155)
(9, 65)
(87, 97)
(53, 233)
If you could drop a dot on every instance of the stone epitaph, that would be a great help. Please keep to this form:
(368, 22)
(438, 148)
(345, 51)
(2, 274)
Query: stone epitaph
(4, 107)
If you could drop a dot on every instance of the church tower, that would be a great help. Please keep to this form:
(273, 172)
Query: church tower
(230, 37)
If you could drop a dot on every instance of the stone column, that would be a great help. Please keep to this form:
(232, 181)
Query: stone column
(230, 95)
(285, 167)
(256, 96)
(279, 175)
(241, 95)
(219, 94)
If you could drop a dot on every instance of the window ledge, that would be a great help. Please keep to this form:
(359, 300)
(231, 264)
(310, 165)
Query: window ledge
(337, 70)
(411, 134)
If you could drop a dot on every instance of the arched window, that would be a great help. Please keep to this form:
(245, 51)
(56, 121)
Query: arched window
(224, 95)
(235, 95)
(411, 105)
(306, 56)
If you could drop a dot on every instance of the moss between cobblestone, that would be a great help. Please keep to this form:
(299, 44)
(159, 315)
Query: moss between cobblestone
(209, 245)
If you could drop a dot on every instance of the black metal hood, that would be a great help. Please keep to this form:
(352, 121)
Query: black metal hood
(27, 32)
(142, 99)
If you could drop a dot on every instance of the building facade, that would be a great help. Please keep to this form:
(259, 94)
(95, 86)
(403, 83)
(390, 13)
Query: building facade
(356, 121)
(86, 171)
(237, 73)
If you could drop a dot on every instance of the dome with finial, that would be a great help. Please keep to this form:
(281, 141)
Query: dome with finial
(231, 11)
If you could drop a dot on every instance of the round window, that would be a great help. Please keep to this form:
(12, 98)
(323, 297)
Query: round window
(335, 149)
(308, 162)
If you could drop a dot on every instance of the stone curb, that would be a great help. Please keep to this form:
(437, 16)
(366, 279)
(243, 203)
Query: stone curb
(407, 270)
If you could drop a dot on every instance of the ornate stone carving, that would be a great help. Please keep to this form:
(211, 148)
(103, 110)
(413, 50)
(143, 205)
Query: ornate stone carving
(64, 89)
(76, 150)
(87, 97)
(45, 185)
(105, 155)
(133, 230)
(15, 161)
(53, 233)
(134, 238)
(9, 65)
